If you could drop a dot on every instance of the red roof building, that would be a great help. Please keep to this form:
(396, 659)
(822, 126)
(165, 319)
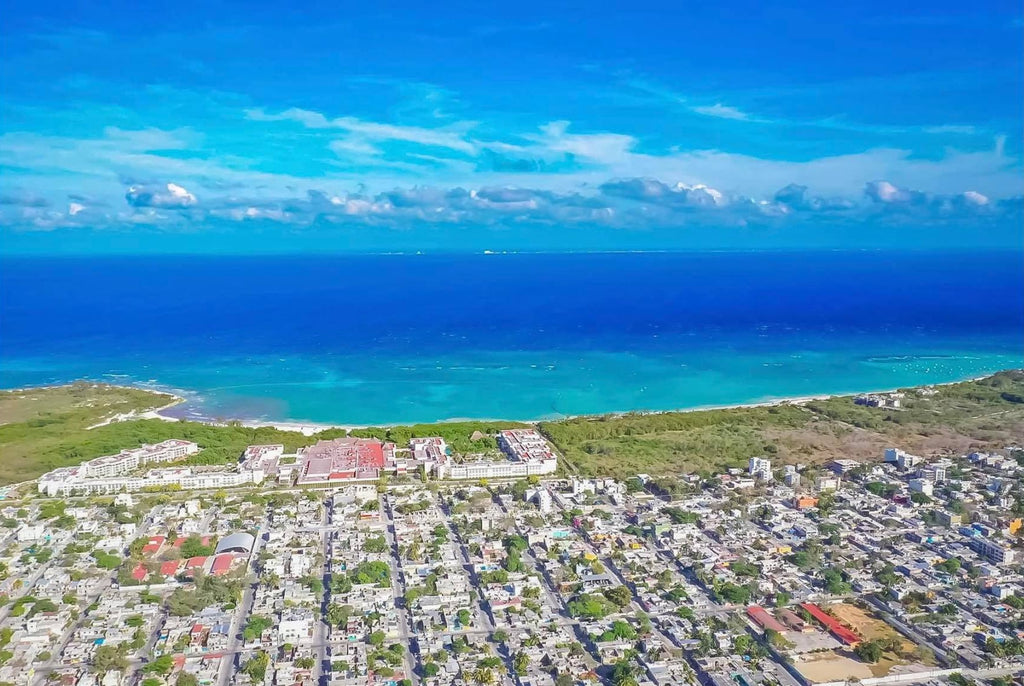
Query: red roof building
(834, 626)
(222, 564)
(140, 573)
(344, 458)
(153, 546)
(765, 620)
(170, 568)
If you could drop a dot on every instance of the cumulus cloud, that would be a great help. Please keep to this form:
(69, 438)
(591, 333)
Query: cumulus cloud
(652, 190)
(169, 196)
(885, 192)
(796, 197)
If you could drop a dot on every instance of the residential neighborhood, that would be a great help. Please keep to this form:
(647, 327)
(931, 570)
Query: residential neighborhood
(360, 562)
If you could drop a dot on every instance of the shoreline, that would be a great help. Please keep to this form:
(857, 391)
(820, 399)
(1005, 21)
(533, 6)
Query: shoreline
(309, 428)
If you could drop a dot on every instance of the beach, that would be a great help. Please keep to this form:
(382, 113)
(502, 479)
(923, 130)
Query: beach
(312, 428)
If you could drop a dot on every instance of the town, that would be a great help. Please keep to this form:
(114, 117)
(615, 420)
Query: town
(356, 561)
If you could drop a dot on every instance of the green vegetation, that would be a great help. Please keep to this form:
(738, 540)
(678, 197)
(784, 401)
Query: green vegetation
(983, 413)
(209, 590)
(670, 442)
(255, 627)
(371, 573)
(458, 435)
(45, 428)
(41, 429)
(591, 606)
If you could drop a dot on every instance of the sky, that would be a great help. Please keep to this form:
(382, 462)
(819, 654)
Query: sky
(216, 127)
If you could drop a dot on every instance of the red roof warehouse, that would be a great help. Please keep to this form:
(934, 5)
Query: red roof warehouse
(832, 624)
(765, 620)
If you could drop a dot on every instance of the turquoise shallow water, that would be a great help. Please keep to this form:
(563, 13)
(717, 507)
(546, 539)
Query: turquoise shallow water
(388, 339)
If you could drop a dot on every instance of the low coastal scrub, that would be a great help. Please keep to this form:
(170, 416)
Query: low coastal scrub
(41, 429)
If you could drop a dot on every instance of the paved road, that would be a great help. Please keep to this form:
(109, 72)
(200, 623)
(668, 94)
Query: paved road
(241, 614)
(398, 588)
(321, 671)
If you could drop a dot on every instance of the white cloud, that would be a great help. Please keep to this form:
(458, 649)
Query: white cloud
(170, 195)
(975, 198)
(450, 137)
(721, 111)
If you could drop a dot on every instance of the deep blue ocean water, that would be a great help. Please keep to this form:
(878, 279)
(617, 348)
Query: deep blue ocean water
(399, 338)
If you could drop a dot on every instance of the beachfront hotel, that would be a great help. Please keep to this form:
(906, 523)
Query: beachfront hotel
(345, 459)
(70, 481)
(529, 454)
(128, 460)
(362, 459)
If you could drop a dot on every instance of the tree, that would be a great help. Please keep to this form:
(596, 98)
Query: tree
(590, 606)
(376, 639)
(338, 615)
(110, 658)
(620, 595)
(431, 669)
(869, 651)
(376, 544)
(255, 627)
(483, 676)
(162, 665)
(564, 679)
(623, 674)
(193, 547)
(186, 679)
(256, 666)
(520, 663)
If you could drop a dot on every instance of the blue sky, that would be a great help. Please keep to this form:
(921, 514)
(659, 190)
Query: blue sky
(213, 127)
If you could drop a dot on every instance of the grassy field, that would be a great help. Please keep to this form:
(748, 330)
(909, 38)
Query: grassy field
(983, 414)
(41, 429)
(45, 428)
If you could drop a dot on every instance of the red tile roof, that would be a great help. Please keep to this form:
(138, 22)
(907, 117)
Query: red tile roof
(762, 617)
(170, 568)
(154, 544)
(832, 624)
(222, 563)
(140, 573)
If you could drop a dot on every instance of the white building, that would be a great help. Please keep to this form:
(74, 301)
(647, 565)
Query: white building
(529, 454)
(760, 468)
(994, 551)
(128, 460)
(827, 483)
(31, 533)
(65, 482)
(933, 473)
(921, 486)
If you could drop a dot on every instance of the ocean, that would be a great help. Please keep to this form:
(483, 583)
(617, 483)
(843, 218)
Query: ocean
(375, 339)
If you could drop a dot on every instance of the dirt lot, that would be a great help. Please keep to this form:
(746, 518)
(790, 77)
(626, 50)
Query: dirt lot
(824, 667)
(867, 626)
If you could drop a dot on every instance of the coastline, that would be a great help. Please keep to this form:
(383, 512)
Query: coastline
(308, 428)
